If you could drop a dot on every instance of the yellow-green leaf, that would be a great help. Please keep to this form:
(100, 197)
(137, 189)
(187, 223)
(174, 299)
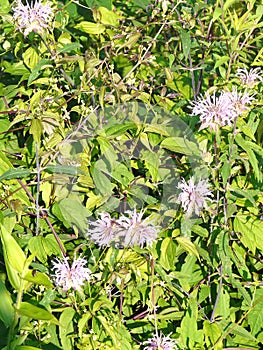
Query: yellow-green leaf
(90, 27)
(187, 245)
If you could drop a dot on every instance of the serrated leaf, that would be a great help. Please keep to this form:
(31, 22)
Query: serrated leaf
(251, 231)
(17, 173)
(255, 316)
(64, 169)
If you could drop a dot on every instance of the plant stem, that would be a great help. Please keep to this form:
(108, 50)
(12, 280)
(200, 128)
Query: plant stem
(38, 190)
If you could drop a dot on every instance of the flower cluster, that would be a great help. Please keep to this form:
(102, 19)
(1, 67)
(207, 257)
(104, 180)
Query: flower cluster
(193, 196)
(33, 17)
(128, 230)
(160, 342)
(249, 78)
(74, 276)
(222, 110)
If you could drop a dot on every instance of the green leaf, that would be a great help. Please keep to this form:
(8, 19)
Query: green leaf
(101, 181)
(247, 147)
(36, 71)
(152, 163)
(26, 347)
(67, 328)
(186, 43)
(212, 333)
(121, 174)
(250, 230)
(187, 245)
(255, 316)
(221, 60)
(168, 250)
(69, 47)
(64, 169)
(36, 246)
(14, 254)
(17, 173)
(142, 3)
(72, 212)
(37, 277)
(7, 311)
(180, 145)
(36, 129)
(108, 17)
(36, 313)
(107, 150)
(97, 3)
(90, 27)
(30, 57)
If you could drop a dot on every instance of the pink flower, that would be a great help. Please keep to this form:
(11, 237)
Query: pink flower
(249, 78)
(160, 342)
(103, 231)
(34, 17)
(240, 101)
(134, 230)
(194, 196)
(214, 111)
(129, 229)
(74, 276)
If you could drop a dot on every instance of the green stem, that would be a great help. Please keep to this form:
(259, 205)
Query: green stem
(11, 332)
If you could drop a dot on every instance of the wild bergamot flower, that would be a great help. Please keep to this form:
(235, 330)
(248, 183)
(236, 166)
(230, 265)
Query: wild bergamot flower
(160, 342)
(194, 196)
(129, 229)
(74, 276)
(214, 111)
(249, 78)
(33, 17)
(240, 101)
(134, 230)
(104, 230)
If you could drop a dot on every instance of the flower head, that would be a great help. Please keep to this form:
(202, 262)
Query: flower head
(240, 101)
(160, 342)
(103, 231)
(194, 196)
(33, 17)
(134, 230)
(214, 110)
(249, 78)
(74, 276)
(129, 229)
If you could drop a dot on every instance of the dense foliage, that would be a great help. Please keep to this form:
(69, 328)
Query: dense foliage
(131, 175)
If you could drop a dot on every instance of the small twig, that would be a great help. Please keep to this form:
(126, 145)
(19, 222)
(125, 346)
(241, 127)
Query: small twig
(44, 214)
(56, 236)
